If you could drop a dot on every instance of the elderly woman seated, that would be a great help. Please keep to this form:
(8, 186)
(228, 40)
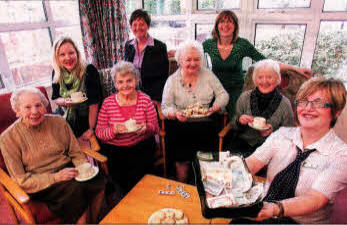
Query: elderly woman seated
(191, 84)
(264, 101)
(41, 153)
(307, 165)
(126, 125)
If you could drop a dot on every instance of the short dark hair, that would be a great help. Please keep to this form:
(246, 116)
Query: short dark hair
(140, 13)
(230, 15)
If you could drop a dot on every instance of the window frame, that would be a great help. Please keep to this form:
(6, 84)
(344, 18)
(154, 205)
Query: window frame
(50, 24)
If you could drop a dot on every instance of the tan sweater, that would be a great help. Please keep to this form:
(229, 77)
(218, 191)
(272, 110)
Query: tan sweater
(33, 155)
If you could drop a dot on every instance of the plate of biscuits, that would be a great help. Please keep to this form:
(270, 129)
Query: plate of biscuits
(168, 216)
(196, 111)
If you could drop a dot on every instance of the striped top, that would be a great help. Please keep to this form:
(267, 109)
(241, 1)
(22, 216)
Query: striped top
(111, 113)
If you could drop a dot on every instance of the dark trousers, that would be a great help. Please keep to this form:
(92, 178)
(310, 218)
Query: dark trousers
(127, 165)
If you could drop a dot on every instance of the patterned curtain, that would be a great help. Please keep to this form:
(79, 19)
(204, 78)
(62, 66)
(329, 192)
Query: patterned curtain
(104, 30)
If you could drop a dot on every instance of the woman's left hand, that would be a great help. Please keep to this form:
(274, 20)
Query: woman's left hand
(214, 108)
(143, 129)
(305, 72)
(87, 134)
(268, 211)
(268, 131)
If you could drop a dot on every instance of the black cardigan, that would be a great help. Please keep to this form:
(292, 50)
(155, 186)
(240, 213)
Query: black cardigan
(154, 68)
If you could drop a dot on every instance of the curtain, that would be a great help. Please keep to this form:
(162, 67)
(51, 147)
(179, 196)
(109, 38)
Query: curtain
(104, 31)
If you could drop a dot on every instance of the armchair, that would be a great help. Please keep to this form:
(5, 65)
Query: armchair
(289, 86)
(28, 211)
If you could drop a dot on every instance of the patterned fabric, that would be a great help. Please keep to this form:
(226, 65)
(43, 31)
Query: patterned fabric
(284, 184)
(110, 113)
(229, 70)
(107, 84)
(104, 31)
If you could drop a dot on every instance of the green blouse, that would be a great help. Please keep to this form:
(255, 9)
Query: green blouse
(229, 71)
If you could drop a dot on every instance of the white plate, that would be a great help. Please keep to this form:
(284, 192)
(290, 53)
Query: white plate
(128, 132)
(151, 219)
(96, 171)
(257, 128)
(197, 115)
(70, 101)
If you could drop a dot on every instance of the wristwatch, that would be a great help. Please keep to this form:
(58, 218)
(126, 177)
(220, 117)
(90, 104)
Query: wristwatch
(280, 206)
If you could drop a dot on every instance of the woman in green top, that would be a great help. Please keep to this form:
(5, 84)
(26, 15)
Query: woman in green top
(227, 51)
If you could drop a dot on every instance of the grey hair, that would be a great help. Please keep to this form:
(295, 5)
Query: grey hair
(190, 44)
(122, 68)
(267, 64)
(16, 94)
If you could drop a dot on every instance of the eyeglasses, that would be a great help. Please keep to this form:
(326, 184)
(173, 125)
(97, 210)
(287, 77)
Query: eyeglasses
(316, 105)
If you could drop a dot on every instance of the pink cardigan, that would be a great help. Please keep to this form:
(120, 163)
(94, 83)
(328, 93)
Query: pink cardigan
(110, 113)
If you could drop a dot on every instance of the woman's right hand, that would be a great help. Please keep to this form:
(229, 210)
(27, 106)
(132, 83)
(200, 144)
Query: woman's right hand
(65, 174)
(245, 119)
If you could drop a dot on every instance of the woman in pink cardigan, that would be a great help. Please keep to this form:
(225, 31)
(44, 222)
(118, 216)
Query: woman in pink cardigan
(126, 126)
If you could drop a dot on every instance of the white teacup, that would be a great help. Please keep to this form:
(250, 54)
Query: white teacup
(85, 170)
(259, 122)
(77, 96)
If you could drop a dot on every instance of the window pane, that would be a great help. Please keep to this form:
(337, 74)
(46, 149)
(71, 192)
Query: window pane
(203, 31)
(130, 6)
(221, 4)
(330, 57)
(75, 33)
(282, 4)
(29, 60)
(170, 32)
(281, 42)
(164, 7)
(21, 11)
(335, 5)
(65, 11)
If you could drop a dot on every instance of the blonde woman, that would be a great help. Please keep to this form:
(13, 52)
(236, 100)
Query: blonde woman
(71, 75)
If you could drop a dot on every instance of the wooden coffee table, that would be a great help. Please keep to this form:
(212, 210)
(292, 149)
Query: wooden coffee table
(139, 204)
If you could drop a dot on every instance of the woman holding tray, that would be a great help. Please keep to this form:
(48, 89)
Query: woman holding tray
(191, 85)
(306, 164)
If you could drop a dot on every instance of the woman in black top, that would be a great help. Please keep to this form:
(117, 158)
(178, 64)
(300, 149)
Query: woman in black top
(148, 54)
(71, 75)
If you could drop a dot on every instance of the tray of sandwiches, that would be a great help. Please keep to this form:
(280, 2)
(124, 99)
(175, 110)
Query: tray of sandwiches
(226, 187)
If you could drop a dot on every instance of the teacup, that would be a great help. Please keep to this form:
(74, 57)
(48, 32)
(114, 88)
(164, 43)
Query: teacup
(259, 122)
(85, 170)
(77, 96)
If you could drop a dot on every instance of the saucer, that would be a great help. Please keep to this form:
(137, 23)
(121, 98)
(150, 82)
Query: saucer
(96, 171)
(257, 128)
(75, 102)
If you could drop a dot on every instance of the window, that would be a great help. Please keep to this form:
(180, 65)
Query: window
(27, 32)
(330, 56)
(281, 42)
(282, 4)
(176, 29)
(203, 31)
(218, 4)
(335, 5)
(163, 7)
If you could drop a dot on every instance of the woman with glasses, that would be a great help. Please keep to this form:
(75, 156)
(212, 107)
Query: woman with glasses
(264, 101)
(227, 50)
(307, 165)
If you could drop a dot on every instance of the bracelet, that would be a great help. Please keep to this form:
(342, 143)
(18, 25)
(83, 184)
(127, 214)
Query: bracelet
(280, 206)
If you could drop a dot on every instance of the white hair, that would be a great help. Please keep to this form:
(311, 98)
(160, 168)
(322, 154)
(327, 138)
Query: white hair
(190, 44)
(16, 94)
(267, 64)
(122, 68)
